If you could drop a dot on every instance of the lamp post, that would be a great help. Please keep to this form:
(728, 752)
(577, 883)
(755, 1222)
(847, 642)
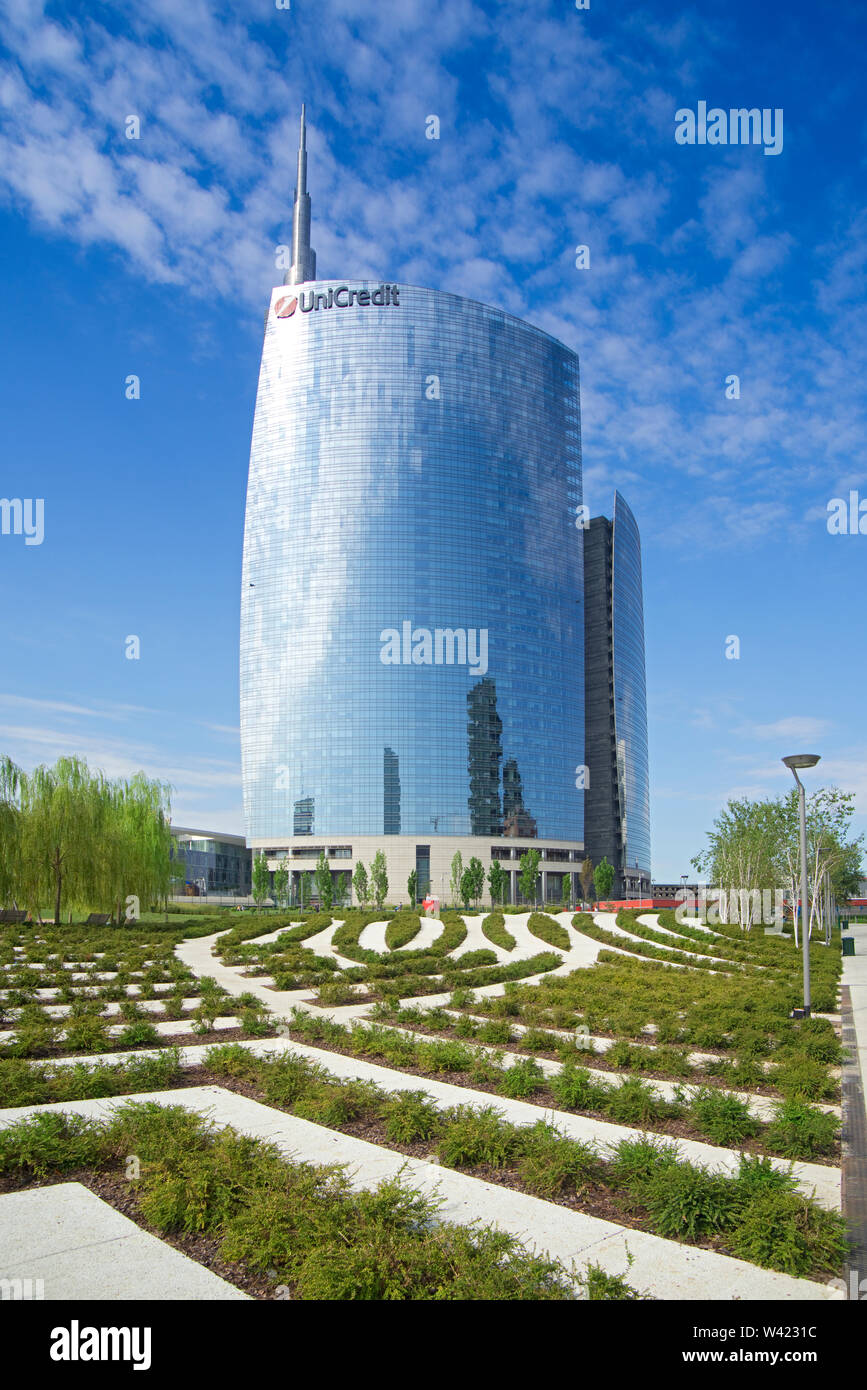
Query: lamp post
(793, 763)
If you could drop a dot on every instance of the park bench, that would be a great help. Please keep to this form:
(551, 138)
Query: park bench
(12, 914)
(98, 919)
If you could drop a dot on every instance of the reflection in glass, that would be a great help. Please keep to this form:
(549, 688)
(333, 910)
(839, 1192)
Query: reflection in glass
(390, 792)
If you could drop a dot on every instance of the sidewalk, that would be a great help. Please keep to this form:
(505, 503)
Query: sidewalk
(854, 1011)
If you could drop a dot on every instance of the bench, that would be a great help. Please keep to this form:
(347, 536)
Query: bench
(12, 914)
(98, 919)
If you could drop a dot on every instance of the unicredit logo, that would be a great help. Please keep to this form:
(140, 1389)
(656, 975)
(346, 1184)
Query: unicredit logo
(341, 298)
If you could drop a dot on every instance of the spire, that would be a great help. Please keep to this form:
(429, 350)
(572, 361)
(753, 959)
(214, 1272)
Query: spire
(303, 266)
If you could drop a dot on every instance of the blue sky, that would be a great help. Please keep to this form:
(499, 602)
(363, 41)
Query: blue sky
(155, 257)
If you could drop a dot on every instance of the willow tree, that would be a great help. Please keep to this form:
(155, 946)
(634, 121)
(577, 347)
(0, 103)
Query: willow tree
(60, 815)
(135, 844)
(69, 834)
(10, 828)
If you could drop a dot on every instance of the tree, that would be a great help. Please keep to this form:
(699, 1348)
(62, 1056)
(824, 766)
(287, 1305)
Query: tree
(603, 878)
(412, 887)
(586, 875)
(323, 880)
(10, 829)
(305, 890)
(457, 875)
(360, 884)
(755, 846)
(476, 871)
(340, 887)
(467, 886)
(742, 858)
(281, 884)
(261, 878)
(69, 833)
(529, 865)
(379, 878)
(134, 858)
(61, 807)
(497, 880)
(566, 891)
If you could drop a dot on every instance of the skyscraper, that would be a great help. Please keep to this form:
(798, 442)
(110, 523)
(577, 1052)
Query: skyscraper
(413, 578)
(618, 790)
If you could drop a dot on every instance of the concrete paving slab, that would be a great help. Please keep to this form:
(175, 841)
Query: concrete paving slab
(80, 1248)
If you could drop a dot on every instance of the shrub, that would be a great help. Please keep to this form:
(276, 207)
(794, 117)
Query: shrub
(786, 1231)
(626, 1054)
(32, 1039)
(443, 1055)
(550, 1162)
(723, 1118)
(496, 1031)
(672, 1061)
(549, 931)
(522, 1078)
(471, 960)
(597, 1285)
(800, 1131)
(231, 1059)
(494, 928)
(50, 1142)
(256, 1022)
(286, 1078)
(636, 1161)
(635, 1102)
(87, 1032)
(199, 1190)
(138, 1034)
(685, 1202)
(804, 1079)
(461, 998)
(538, 1040)
(575, 1089)
(465, 1027)
(487, 1068)
(472, 1137)
(401, 930)
(335, 992)
(335, 1103)
(758, 1175)
(410, 1116)
(742, 1072)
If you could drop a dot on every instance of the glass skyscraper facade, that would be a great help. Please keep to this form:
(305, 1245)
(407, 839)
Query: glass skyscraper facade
(618, 791)
(412, 618)
(415, 470)
(630, 695)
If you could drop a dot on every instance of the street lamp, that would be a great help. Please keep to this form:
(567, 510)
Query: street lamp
(794, 762)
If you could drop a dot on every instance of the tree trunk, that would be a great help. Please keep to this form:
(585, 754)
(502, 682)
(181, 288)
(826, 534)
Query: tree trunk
(57, 892)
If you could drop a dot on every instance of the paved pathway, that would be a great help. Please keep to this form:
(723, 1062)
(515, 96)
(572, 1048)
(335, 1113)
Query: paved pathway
(74, 1246)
